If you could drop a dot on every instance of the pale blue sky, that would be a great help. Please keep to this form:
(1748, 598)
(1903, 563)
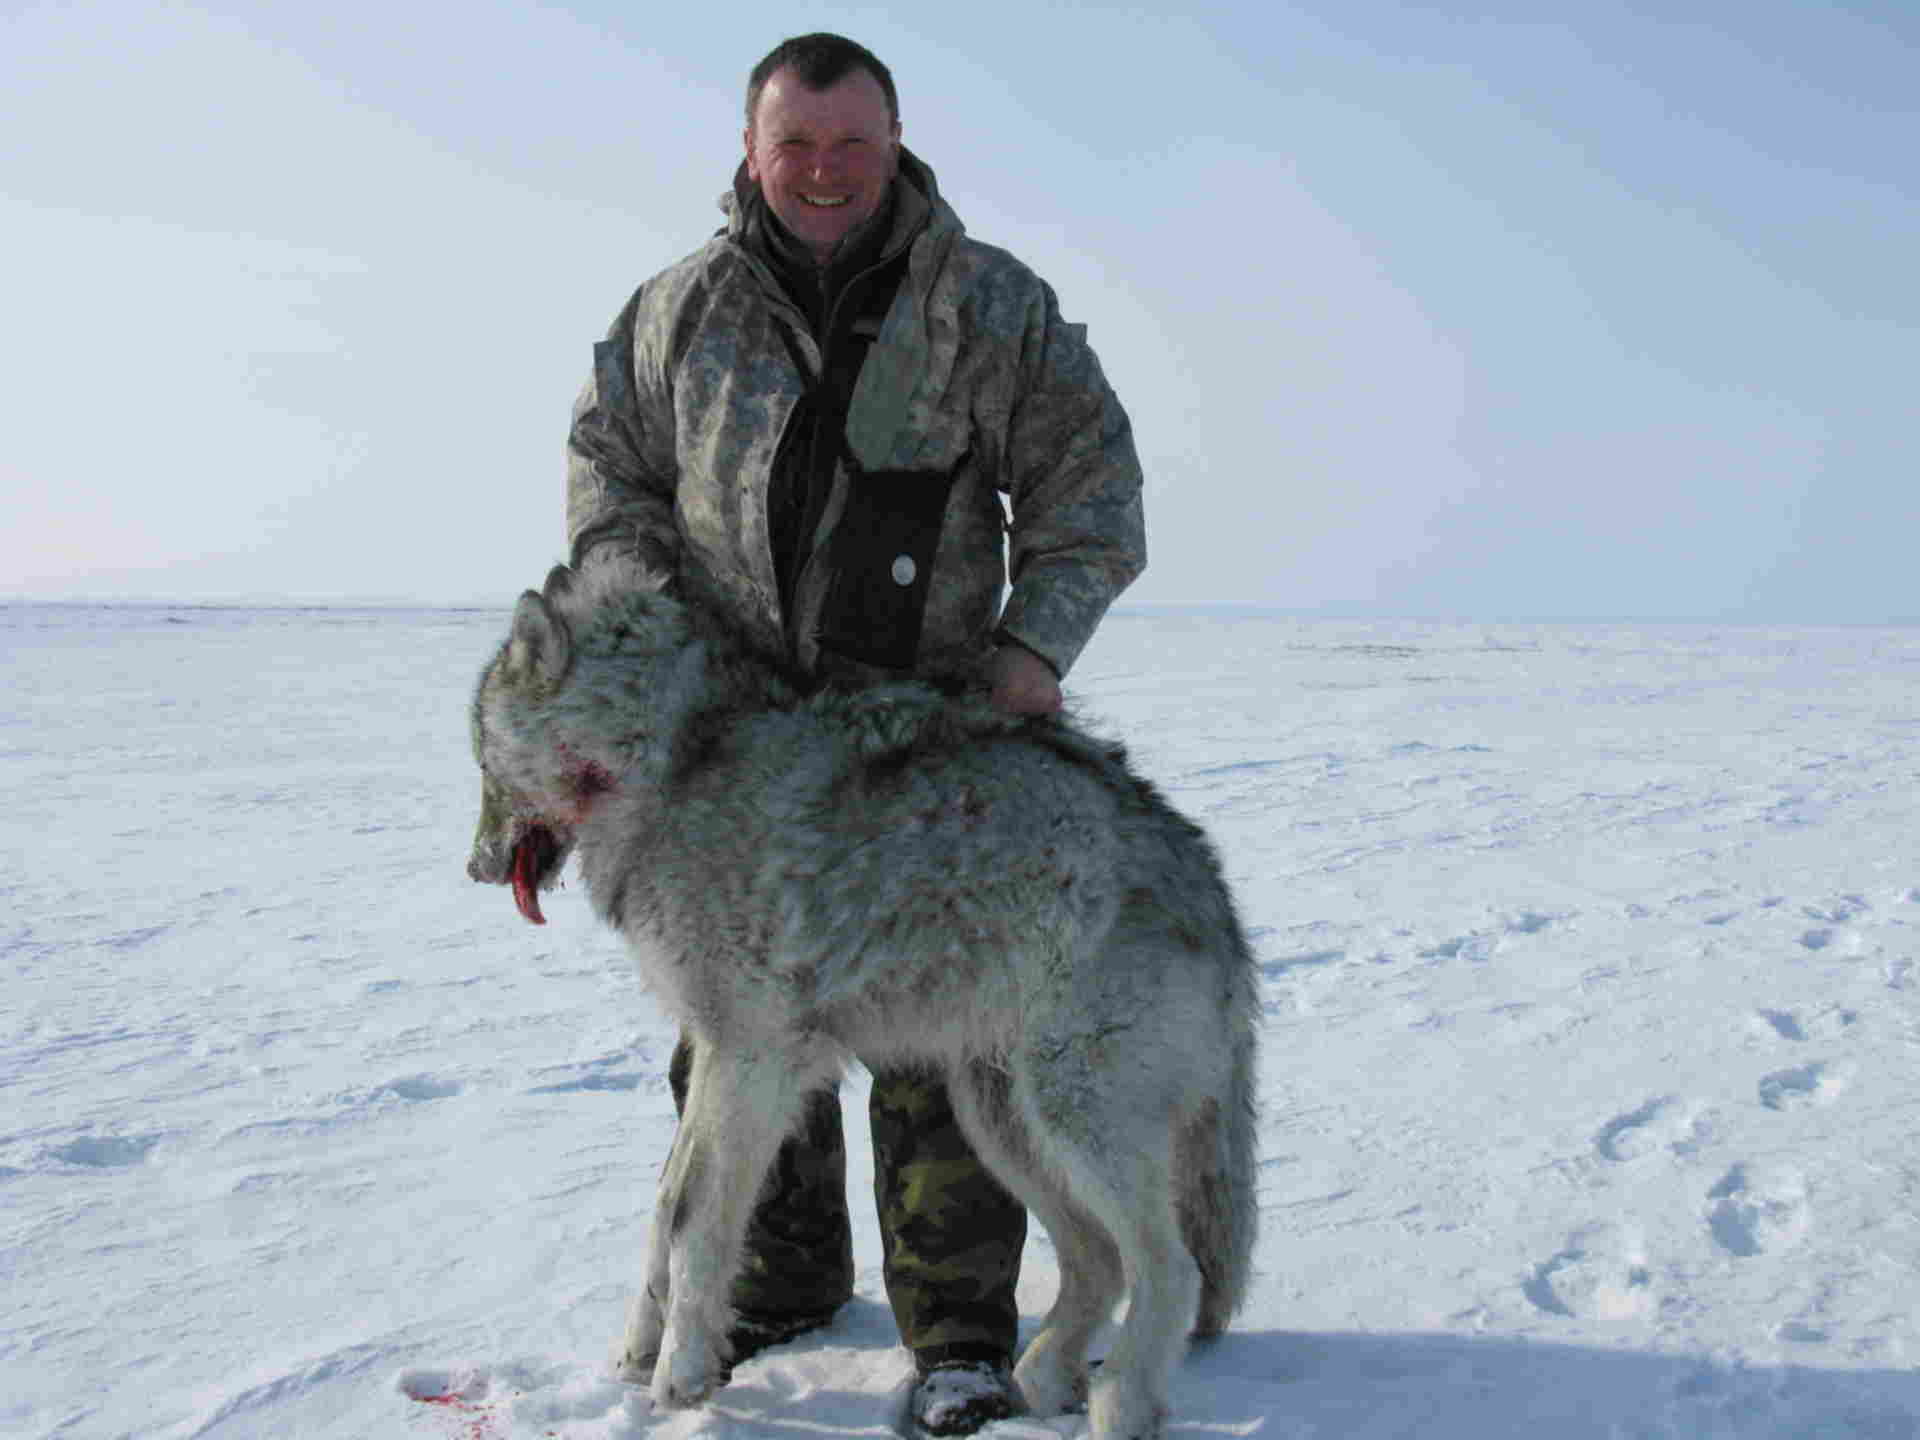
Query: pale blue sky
(1511, 310)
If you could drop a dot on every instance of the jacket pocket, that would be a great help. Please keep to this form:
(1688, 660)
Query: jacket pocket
(881, 560)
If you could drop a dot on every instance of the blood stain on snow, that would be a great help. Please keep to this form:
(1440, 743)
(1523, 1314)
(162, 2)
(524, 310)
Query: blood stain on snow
(476, 1419)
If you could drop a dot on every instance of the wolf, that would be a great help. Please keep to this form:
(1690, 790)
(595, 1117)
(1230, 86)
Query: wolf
(893, 875)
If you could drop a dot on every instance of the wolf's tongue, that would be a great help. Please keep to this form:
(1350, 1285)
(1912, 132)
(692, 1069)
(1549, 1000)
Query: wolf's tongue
(527, 855)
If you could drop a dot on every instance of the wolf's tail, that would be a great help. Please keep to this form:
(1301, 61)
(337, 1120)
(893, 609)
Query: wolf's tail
(1218, 1214)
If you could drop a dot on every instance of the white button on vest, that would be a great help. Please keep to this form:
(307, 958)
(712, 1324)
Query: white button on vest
(904, 570)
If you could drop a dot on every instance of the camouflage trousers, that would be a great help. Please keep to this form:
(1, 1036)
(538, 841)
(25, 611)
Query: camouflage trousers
(950, 1235)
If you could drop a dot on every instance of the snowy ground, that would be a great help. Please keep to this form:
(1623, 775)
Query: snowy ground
(1592, 958)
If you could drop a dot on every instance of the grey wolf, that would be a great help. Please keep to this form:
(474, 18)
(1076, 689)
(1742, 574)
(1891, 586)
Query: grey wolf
(895, 876)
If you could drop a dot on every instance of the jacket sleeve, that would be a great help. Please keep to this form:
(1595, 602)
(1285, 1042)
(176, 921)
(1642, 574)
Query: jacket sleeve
(620, 461)
(1079, 536)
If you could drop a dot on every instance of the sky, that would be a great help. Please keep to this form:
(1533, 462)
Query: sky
(1502, 311)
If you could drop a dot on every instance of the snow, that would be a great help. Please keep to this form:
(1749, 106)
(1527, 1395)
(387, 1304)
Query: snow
(1591, 958)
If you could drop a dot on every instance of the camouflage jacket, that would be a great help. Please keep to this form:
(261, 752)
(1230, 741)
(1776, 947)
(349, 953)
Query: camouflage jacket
(974, 387)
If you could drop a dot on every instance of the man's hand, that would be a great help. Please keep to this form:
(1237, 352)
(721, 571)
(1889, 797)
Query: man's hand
(1023, 683)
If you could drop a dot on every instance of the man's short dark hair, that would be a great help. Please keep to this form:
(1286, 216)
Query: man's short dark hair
(821, 61)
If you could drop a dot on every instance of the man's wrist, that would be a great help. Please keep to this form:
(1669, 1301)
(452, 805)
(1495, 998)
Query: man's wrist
(1006, 637)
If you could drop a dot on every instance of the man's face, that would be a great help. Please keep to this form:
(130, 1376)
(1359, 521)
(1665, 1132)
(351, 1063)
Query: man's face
(823, 158)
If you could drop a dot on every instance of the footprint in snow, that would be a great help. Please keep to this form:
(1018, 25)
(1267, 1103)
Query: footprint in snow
(1799, 1025)
(1838, 911)
(1664, 1123)
(1757, 1211)
(1476, 949)
(1601, 1273)
(1782, 1024)
(1528, 922)
(105, 1152)
(1818, 1083)
(1480, 946)
(420, 1087)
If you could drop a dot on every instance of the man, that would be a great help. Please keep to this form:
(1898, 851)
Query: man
(809, 424)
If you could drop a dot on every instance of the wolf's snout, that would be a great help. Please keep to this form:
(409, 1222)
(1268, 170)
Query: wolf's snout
(490, 862)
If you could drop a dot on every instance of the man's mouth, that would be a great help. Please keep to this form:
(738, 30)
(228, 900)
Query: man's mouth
(825, 202)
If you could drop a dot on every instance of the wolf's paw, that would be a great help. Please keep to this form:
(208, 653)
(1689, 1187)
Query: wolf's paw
(1119, 1413)
(631, 1366)
(687, 1372)
(1047, 1383)
(637, 1351)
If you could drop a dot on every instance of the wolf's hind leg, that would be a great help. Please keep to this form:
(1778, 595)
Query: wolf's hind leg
(738, 1111)
(1130, 1188)
(1052, 1373)
(1100, 1133)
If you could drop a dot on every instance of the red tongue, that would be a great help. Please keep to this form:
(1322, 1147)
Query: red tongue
(526, 877)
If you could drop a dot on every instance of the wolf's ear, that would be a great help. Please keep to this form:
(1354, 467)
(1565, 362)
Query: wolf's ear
(541, 648)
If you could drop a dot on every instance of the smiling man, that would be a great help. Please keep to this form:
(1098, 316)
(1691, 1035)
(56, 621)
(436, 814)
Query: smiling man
(824, 159)
(809, 425)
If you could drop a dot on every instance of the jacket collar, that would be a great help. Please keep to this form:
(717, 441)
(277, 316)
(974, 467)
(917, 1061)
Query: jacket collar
(914, 204)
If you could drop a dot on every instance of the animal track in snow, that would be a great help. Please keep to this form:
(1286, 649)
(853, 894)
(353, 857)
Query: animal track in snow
(1818, 1083)
(1838, 911)
(1663, 1123)
(1722, 912)
(618, 1071)
(1833, 927)
(1528, 922)
(1782, 1023)
(1600, 1273)
(1756, 1211)
(419, 1087)
(1475, 948)
(1479, 946)
(1799, 1025)
(105, 1152)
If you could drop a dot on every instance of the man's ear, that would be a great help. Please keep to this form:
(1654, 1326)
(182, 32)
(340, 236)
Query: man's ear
(540, 649)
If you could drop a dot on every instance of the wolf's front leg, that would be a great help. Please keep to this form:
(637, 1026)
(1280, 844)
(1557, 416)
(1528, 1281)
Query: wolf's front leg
(736, 1116)
(638, 1350)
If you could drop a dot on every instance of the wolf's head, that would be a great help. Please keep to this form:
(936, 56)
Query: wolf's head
(580, 702)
